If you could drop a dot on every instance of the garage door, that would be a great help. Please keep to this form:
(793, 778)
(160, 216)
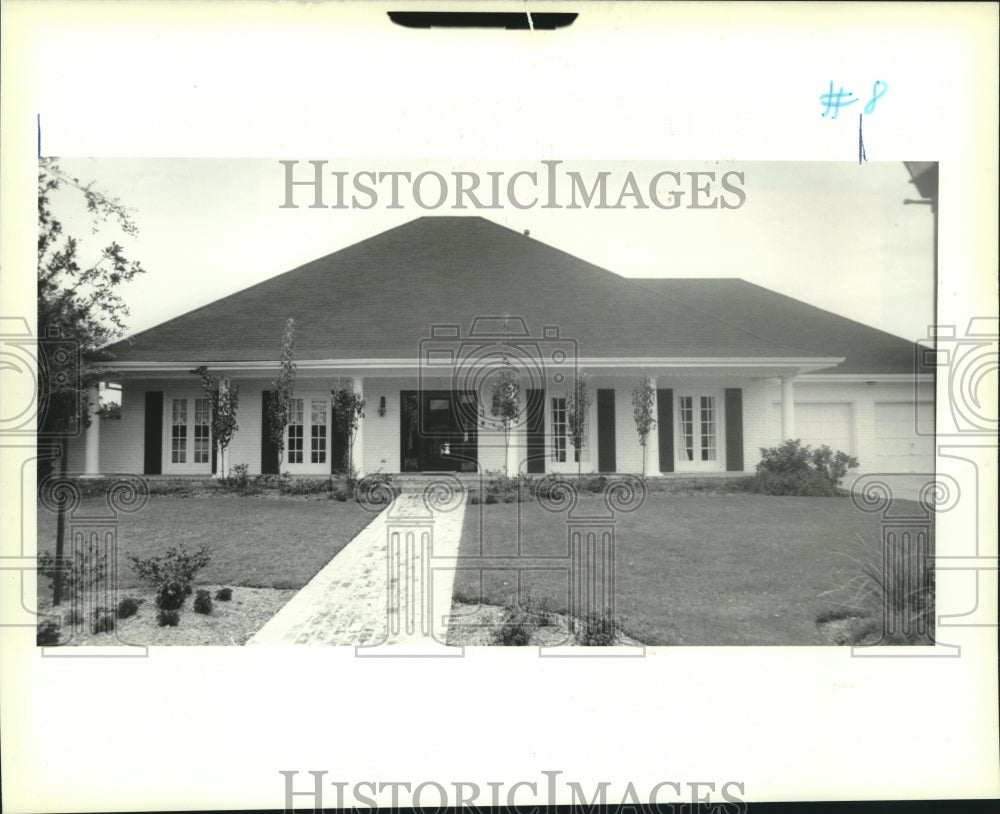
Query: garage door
(898, 446)
(818, 424)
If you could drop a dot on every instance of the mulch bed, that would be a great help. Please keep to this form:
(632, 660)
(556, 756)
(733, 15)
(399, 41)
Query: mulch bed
(230, 623)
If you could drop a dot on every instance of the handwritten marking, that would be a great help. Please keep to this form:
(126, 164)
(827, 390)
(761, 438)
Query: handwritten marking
(862, 155)
(877, 93)
(835, 101)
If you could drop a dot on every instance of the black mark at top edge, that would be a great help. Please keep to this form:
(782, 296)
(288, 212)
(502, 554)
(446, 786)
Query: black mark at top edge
(512, 21)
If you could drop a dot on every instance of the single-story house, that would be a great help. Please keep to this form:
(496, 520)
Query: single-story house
(421, 318)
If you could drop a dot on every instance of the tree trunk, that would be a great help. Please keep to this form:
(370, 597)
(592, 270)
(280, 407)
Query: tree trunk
(57, 582)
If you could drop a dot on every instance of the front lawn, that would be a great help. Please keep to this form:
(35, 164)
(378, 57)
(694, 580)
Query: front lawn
(258, 542)
(690, 570)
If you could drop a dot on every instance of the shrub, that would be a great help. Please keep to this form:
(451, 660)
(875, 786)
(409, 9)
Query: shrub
(520, 619)
(202, 602)
(170, 596)
(73, 617)
(239, 480)
(47, 634)
(128, 607)
(305, 486)
(793, 469)
(224, 594)
(176, 566)
(103, 621)
(84, 570)
(168, 618)
(598, 629)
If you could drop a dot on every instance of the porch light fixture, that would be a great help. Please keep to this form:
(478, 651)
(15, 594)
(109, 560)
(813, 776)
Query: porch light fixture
(446, 448)
(381, 406)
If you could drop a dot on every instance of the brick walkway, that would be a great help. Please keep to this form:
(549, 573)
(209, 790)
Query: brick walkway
(389, 587)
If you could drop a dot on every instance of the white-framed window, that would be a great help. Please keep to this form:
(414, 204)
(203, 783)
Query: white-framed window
(178, 431)
(189, 435)
(307, 437)
(698, 431)
(317, 449)
(563, 456)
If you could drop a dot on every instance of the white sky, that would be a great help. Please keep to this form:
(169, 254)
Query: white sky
(836, 235)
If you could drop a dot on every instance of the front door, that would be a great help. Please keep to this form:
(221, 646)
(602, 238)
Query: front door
(439, 431)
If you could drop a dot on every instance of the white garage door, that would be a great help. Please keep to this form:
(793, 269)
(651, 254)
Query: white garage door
(818, 424)
(898, 446)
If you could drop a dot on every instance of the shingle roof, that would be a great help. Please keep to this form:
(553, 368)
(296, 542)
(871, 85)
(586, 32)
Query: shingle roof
(785, 319)
(380, 297)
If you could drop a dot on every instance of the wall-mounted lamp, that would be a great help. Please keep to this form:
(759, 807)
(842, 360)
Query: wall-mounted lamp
(381, 406)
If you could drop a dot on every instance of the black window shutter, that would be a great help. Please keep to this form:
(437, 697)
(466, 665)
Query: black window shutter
(268, 449)
(665, 428)
(606, 461)
(734, 429)
(153, 453)
(536, 431)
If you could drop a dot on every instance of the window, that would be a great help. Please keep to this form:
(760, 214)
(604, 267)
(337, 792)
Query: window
(697, 428)
(296, 432)
(178, 431)
(318, 438)
(559, 430)
(202, 431)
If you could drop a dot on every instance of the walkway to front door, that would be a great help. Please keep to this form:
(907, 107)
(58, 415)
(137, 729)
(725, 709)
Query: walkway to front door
(390, 586)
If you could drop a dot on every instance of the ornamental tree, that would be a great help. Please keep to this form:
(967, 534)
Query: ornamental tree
(578, 400)
(643, 397)
(348, 409)
(280, 408)
(506, 403)
(224, 399)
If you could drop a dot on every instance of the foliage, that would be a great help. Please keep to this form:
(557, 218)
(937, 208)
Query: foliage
(224, 594)
(78, 301)
(348, 409)
(177, 566)
(128, 607)
(47, 634)
(202, 602)
(643, 397)
(170, 595)
(167, 618)
(506, 402)
(103, 621)
(897, 583)
(598, 629)
(280, 406)
(86, 570)
(794, 469)
(224, 400)
(578, 401)
(521, 617)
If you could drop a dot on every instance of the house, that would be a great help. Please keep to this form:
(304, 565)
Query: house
(421, 318)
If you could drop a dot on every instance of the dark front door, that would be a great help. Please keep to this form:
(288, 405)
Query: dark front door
(439, 431)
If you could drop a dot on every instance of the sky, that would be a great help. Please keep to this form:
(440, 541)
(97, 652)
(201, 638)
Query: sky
(834, 234)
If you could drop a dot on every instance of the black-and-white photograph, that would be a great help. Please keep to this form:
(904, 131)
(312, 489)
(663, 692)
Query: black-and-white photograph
(550, 404)
(508, 405)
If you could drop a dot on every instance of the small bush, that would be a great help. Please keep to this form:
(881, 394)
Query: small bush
(47, 634)
(793, 469)
(224, 594)
(521, 617)
(177, 565)
(305, 486)
(74, 616)
(598, 629)
(170, 596)
(203, 602)
(128, 607)
(103, 621)
(168, 618)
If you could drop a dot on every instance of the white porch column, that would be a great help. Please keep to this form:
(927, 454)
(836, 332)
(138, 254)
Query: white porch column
(358, 453)
(653, 439)
(92, 459)
(787, 408)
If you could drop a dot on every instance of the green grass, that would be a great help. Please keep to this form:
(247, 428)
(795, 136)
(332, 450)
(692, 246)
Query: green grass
(690, 570)
(254, 542)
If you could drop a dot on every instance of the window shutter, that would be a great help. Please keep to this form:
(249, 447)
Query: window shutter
(153, 431)
(268, 449)
(665, 428)
(734, 429)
